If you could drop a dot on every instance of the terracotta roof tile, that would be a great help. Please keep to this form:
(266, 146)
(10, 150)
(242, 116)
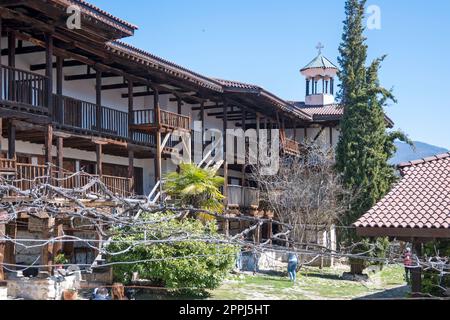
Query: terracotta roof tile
(104, 16)
(255, 89)
(421, 199)
(153, 61)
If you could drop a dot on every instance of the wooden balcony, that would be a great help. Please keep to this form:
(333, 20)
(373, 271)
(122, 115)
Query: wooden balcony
(146, 121)
(23, 90)
(291, 147)
(26, 176)
(242, 197)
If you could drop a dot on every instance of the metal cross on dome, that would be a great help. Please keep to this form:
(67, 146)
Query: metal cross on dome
(319, 47)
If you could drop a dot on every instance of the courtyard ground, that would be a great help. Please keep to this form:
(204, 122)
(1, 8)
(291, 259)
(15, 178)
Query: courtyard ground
(314, 284)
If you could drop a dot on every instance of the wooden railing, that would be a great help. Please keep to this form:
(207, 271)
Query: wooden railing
(141, 117)
(168, 119)
(26, 176)
(174, 120)
(74, 113)
(251, 197)
(243, 197)
(291, 146)
(117, 185)
(23, 87)
(7, 166)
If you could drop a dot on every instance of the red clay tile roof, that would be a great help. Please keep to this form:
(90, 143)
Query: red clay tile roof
(421, 199)
(230, 85)
(331, 112)
(323, 113)
(100, 14)
(237, 84)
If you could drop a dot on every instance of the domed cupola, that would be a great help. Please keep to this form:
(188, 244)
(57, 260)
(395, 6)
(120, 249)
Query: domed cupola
(320, 74)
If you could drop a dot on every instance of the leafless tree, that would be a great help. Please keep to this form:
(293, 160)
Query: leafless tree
(306, 193)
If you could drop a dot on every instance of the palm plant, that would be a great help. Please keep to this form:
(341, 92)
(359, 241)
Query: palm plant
(196, 187)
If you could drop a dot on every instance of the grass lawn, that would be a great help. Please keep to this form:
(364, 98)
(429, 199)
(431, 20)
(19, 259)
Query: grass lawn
(312, 284)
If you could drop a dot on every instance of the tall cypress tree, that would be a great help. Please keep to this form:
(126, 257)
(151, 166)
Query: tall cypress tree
(365, 146)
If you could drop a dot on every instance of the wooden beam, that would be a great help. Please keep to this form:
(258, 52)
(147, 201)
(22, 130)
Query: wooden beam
(23, 50)
(66, 64)
(215, 107)
(89, 76)
(115, 86)
(145, 94)
(118, 72)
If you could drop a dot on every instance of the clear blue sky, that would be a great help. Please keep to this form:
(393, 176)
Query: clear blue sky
(267, 42)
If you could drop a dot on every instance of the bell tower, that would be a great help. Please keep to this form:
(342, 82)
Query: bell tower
(320, 74)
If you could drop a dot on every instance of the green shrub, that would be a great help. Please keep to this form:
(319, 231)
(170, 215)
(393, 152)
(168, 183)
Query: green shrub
(204, 265)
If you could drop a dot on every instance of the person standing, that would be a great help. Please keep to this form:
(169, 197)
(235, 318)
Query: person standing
(408, 262)
(292, 265)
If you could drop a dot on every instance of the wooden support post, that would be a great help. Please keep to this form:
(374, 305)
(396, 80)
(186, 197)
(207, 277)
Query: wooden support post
(49, 144)
(11, 63)
(202, 116)
(131, 178)
(10, 247)
(1, 71)
(158, 164)
(60, 150)
(11, 140)
(258, 139)
(270, 231)
(225, 164)
(57, 233)
(49, 74)
(11, 48)
(179, 105)
(1, 124)
(244, 127)
(416, 281)
(59, 111)
(258, 235)
(295, 130)
(98, 99)
(130, 108)
(2, 245)
(226, 226)
(47, 250)
(99, 155)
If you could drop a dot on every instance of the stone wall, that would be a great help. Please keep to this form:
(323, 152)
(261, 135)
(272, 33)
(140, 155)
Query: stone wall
(40, 289)
(3, 293)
